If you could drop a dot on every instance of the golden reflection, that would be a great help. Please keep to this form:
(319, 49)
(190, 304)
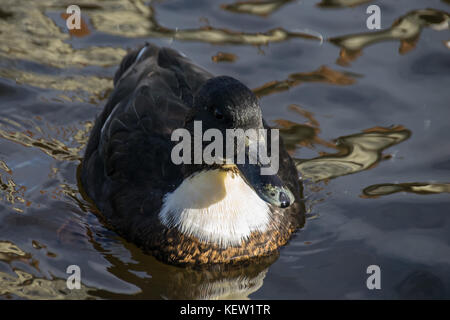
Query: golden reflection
(301, 135)
(406, 29)
(8, 250)
(341, 3)
(356, 153)
(25, 285)
(95, 86)
(323, 75)
(73, 193)
(53, 147)
(15, 194)
(377, 190)
(134, 19)
(10, 191)
(29, 34)
(5, 167)
(256, 7)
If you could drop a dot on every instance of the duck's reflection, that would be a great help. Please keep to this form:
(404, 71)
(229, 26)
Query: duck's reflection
(237, 288)
(406, 29)
(237, 282)
(421, 285)
(157, 280)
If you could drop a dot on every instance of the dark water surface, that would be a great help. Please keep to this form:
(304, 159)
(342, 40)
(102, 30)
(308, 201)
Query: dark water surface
(365, 113)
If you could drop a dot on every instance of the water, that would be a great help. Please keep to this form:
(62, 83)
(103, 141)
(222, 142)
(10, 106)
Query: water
(365, 113)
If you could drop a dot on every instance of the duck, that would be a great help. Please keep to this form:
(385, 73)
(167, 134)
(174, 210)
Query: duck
(190, 213)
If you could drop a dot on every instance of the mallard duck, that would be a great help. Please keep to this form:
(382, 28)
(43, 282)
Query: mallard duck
(185, 213)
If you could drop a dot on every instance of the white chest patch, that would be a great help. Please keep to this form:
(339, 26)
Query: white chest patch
(217, 207)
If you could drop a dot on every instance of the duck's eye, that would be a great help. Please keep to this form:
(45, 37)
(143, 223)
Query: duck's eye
(218, 114)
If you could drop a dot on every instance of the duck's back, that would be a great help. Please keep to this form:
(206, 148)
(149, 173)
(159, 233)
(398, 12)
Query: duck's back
(127, 168)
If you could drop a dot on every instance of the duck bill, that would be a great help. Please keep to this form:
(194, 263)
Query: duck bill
(270, 188)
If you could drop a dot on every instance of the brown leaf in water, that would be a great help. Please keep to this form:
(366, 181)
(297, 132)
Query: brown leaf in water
(83, 31)
(347, 56)
(407, 45)
(224, 57)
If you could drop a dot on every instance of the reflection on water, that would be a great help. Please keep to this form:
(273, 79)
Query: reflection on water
(22, 284)
(341, 3)
(357, 152)
(53, 147)
(378, 190)
(9, 191)
(238, 288)
(96, 87)
(260, 8)
(323, 74)
(406, 29)
(28, 33)
(134, 19)
(60, 143)
(301, 135)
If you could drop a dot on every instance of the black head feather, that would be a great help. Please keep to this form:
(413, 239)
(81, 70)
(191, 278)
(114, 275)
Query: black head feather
(224, 102)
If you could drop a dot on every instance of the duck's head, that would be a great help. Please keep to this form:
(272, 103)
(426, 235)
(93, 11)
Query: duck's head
(224, 103)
